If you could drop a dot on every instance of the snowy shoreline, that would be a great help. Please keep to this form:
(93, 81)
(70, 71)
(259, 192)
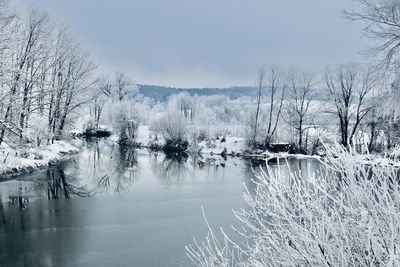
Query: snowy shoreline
(220, 146)
(25, 161)
(14, 162)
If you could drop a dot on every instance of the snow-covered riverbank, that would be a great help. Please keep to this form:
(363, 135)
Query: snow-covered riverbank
(20, 161)
(222, 146)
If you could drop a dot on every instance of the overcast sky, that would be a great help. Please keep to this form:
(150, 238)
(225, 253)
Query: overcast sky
(200, 43)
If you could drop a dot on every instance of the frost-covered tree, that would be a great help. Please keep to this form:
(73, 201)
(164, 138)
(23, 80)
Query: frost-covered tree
(349, 88)
(124, 123)
(28, 44)
(382, 27)
(102, 94)
(118, 104)
(172, 127)
(262, 125)
(300, 95)
(43, 73)
(70, 79)
(124, 87)
(255, 124)
(277, 82)
(381, 20)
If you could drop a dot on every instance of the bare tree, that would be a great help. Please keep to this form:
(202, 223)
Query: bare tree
(123, 86)
(260, 89)
(37, 35)
(382, 27)
(275, 92)
(43, 73)
(349, 89)
(104, 91)
(299, 98)
(71, 78)
(7, 31)
(27, 45)
(8, 28)
(375, 124)
(382, 18)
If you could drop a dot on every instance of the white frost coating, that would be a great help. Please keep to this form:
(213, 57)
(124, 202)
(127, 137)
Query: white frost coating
(345, 215)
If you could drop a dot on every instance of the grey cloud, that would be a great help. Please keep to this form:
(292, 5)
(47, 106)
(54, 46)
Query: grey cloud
(181, 42)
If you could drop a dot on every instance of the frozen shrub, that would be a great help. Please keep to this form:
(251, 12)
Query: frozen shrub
(348, 214)
(171, 126)
(174, 130)
(124, 122)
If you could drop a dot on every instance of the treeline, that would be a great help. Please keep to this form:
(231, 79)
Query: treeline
(362, 99)
(44, 76)
(162, 93)
(356, 110)
(356, 101)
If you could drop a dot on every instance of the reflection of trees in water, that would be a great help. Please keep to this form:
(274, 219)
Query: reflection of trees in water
(60, 186)
(301, 168)
(169, 168)
(212, 166)
(126, 168)
(54, 185)
(209, 161)
(113, 167)
(2, 214)
(252, 166)
(177, 168)
(173, 168)
(115, 170)
(106, 166)
(21, 201)
(96, 161)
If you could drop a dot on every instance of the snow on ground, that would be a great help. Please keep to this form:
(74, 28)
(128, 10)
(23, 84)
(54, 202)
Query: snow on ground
(144, 134)
(215, 146)
(25, 160)
(148, 138)
(281, 155)
(145, 138)
(222, 146)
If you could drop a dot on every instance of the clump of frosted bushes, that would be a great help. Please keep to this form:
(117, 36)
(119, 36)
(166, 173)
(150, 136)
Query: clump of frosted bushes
(173, 128)
(347, 214)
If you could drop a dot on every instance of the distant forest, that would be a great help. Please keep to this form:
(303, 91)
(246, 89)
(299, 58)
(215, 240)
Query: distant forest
(161, 93)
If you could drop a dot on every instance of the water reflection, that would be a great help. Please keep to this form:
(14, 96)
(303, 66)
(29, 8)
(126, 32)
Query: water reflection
(60, 186)
(171, 168)
(303, 169)
(51, 184)
(103, 167)
(44, 220)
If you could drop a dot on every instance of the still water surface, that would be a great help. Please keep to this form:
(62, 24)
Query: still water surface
(113, 206)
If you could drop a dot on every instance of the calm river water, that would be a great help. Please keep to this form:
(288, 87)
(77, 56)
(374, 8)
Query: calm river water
(113, 206)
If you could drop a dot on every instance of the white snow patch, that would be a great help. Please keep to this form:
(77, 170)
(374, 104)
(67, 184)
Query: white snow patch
(24, 160)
